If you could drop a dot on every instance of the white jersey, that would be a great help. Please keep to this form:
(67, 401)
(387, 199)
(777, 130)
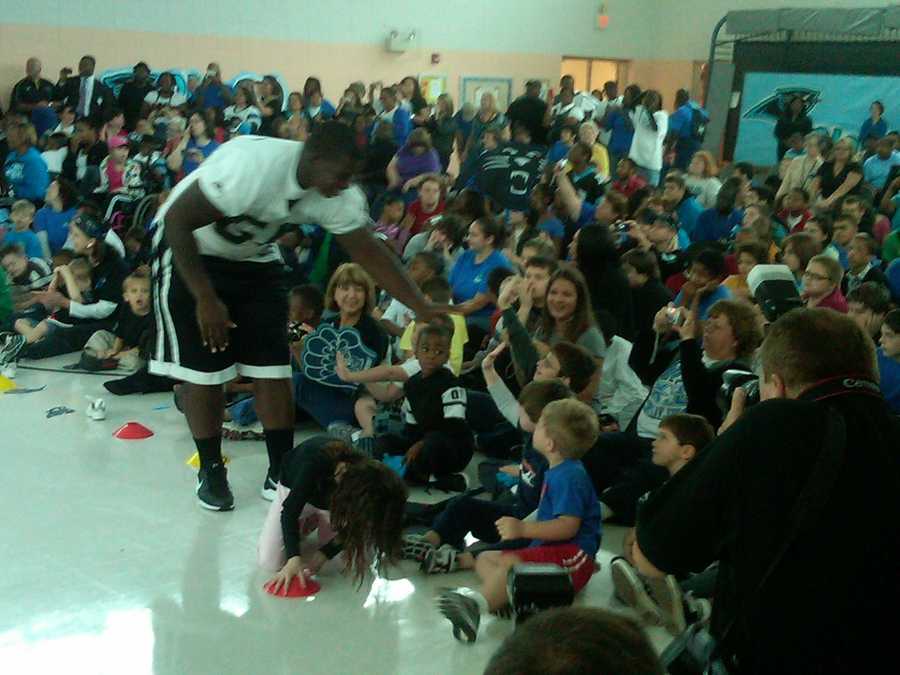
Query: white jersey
(252, 182)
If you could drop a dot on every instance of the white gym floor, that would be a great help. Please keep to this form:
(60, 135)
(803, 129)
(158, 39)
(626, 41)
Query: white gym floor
(111, 567)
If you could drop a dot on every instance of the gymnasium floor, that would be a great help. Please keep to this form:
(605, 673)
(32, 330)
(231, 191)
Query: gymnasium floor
(111, 567)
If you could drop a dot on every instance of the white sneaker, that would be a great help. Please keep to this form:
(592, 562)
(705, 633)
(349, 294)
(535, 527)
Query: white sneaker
(97, 410)
(9, 371)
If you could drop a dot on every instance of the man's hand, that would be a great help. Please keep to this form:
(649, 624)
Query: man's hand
(214, 322)
(413, 453)
(510, 528)
(738, 405)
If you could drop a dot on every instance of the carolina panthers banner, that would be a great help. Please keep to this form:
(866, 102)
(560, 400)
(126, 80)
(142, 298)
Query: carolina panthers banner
(837, 105)
(320, 350)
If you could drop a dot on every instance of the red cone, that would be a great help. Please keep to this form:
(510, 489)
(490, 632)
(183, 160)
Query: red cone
(132, 431)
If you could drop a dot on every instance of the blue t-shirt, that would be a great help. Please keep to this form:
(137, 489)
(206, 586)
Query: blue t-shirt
(621, 134)
(876, 130)
(889, 370)
(712, 225)
(568, 491)
(688, 211)
(558, 151)
(721, 293)
(27, 174)
(190, 164)
(468, 279)
(27, 240)
(212, 97)
(877, 170)
(56, 225)
(554, 227)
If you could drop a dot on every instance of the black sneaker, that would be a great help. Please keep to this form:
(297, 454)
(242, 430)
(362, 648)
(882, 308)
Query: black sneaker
(441, 560)
(10, 348)
(462, 612)
(269, 489)
(415, 547)
(212, 488)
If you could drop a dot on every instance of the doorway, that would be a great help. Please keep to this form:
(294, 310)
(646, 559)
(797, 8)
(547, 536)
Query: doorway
(591, 74)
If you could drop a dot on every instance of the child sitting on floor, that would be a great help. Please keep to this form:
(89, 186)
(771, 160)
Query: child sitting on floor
(27, 273)
(567, 530)
(437, 441)
(74, 280)
(678, 441)
(122, 347)
(441, 549)
(22, 214)
(356, 505)
(437, 290)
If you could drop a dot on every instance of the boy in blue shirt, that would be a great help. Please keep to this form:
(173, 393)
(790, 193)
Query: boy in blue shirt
(567, 529)
(889, 360)
(21, 214)
(878, 167)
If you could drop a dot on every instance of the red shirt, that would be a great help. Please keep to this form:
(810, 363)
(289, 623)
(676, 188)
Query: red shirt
(420, 217)
(791, 219)
(835, 300)
(630, 186)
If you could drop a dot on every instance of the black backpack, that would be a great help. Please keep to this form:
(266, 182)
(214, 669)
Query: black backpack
(699, 121)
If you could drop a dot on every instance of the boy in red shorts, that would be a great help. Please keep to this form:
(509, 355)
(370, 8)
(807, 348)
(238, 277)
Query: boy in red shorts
(567, 530)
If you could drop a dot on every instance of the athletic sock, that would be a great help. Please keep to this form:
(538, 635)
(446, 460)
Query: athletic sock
(210, 450)
(278, 443)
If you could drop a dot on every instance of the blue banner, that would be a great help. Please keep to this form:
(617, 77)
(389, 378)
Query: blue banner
(837, 105)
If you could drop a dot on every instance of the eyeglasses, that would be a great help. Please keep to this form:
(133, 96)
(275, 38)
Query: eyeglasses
(814, 276)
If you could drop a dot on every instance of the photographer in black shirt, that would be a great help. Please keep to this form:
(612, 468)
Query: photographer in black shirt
(821, 608)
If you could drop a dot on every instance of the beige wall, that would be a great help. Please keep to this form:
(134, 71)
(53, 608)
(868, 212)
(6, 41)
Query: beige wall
(61, 46)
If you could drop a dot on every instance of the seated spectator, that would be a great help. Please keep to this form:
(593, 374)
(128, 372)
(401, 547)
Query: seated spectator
(589, 133)
(868, 304)
(701, 178)
(66, 125)
(137, 247)
(575, 640)
(270, 101)
(24, 170)
(22, 215)
(704, 276)
(628, 180)
(844, 229)
(648, 297)
(60, 206)
(469, 275)
(441, 549)
(862, 264)
(560, 149)
(114, 126)
(796, 210)
(889, 360)
(212, 93)
(821, 228)
(664, 238)
(417, 157)
(749, 254)
(543, 217)
(394, 114)
(196, 145)
(350, 293)
(436, 441)
(878, 167)
(316, 108)
(121, 178)
(802, 170)
(428, 204)
(678, 200)
(588, 183)
(822, 284)
(444, 235)
(133, 325)
(29, 273)
(86, 152)
(715, 223)
(594, 253)
(243, 116)
(608, 211)
(567, 531)
(390, 223)
(165, 96)
(874, 127)
(838, 176)
(798, 250)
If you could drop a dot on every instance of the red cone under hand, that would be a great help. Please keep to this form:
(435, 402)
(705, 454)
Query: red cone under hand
(132, 431)
(295, 590)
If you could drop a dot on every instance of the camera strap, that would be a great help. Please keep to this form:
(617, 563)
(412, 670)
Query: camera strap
(840, 386)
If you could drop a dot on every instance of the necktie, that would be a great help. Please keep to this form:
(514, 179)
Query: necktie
(83, 103)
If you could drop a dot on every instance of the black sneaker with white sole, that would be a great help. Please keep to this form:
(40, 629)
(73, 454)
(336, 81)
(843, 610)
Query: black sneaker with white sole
(10, 348)
(269, 489)
(212, 488)
(462, 612)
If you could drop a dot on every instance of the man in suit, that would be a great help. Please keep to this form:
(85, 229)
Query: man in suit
(86, 93)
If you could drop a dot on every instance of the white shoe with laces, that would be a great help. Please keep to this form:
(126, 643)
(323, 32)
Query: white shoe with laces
(97, 410)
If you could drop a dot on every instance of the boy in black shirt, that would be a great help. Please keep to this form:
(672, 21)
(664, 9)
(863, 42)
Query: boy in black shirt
(30, 273)
(122, 347)
(437, 441)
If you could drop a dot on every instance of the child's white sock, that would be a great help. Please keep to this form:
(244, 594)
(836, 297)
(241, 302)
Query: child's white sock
(480, 600)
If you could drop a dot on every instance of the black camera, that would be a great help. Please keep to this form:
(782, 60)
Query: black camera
(533, 587)
(732, 380)
(773, 288)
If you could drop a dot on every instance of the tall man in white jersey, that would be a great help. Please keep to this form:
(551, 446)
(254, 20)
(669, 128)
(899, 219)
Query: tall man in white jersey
(219, 295)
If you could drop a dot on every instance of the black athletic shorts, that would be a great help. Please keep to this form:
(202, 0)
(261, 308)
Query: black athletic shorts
(256, 297)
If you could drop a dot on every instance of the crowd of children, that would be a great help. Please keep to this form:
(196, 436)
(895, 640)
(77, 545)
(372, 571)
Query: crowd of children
(598, 372)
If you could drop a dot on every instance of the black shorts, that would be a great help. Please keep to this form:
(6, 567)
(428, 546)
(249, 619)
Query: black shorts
(256, 297)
